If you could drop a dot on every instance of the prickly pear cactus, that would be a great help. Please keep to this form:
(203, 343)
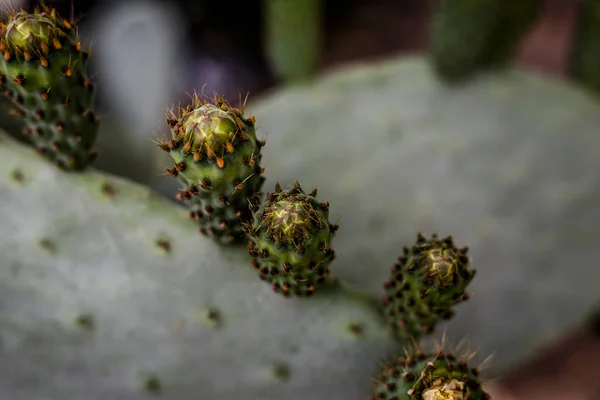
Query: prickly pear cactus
(506, 163)
(428, 280)
(290, 241)
(435, 376)
(216, 155)
(43, 72)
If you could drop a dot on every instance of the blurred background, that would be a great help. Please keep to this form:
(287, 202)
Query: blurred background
(149, 54)
(225, 48)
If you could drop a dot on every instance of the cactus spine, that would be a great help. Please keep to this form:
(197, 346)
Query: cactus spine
(426, 282)
(216, 156)
(43, 72)
(290, 241)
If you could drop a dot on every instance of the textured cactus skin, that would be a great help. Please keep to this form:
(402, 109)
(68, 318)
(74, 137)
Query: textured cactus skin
(44, 72)
(428, 280)
(108, 293)
(506, 163)
(290, 241)
(216, 156)
(433, 376)
(468, 35)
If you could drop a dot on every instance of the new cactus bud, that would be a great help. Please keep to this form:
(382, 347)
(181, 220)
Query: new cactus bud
(426, 282)
(216, 156)
(290, 241)
(433, 376)
(43, 72)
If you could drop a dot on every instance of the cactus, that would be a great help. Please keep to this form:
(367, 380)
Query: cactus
(216, 156)
(434, 376)
(290, 241)
(43, 72)
(429, 279)
(293, 37)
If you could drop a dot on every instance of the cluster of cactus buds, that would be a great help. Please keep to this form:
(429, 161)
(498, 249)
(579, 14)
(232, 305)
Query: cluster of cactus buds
(43, 71)
(216, 156)
(290, 241)
(427, 281)
(428, 376)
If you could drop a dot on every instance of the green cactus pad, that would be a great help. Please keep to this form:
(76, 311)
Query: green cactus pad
(107, 292)
(429, 279)
(216, 156)
(290, 241)
(43, 72)
(433, 376)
